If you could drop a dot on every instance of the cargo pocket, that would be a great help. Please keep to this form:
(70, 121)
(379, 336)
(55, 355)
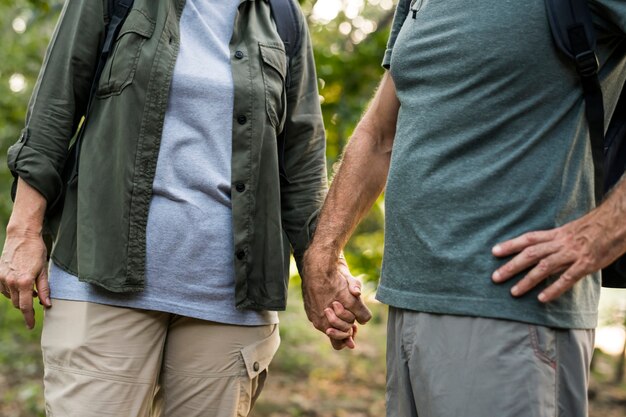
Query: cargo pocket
(274, 75)
(120, 68)
(256, 358)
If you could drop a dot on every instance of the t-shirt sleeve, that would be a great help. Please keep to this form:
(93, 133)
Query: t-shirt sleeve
(610, 15)
(402, 9)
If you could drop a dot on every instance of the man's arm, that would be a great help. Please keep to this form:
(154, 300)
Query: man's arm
(573, 250)
(23, 261)
(359, 181)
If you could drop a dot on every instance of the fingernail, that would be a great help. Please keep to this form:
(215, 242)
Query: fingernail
(542, 297)
(515, 291)
(496, 276)
(356, 290)
(496, 249)
(48, 301)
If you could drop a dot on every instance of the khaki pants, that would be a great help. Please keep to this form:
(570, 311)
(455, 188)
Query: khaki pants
(109, 361)
(455, 366)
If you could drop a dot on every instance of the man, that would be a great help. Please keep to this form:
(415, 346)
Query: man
(479, 132)
(172, 249)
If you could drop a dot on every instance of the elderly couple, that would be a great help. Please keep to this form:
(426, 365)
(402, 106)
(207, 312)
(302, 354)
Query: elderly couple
(203, 165)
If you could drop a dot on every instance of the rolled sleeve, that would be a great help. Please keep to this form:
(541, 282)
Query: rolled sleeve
(402, 10)
(59, 99)
(36, 169)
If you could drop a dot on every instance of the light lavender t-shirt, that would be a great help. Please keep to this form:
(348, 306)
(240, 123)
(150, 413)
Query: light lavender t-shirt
(189, 261)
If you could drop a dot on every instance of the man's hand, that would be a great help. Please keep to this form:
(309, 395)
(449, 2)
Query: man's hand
(22, 269)
(332, 299)
(572, 251)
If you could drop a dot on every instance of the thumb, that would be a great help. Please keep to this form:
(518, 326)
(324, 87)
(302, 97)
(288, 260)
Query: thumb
(43, 288)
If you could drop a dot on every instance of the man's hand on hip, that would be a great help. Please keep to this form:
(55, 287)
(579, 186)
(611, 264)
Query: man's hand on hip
(332, 298)
(572, 251)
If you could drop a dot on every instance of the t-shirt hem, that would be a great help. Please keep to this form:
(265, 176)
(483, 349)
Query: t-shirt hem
(488, 308)
(215, 317)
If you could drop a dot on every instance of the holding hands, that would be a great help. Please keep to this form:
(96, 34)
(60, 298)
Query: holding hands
(332, 298)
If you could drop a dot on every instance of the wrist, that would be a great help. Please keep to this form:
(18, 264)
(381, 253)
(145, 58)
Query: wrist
(24, 227)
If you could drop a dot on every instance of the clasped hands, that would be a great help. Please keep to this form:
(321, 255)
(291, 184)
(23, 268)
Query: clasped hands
(332, 298)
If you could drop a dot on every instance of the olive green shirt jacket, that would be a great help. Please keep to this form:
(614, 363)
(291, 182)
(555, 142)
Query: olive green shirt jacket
(100, 220)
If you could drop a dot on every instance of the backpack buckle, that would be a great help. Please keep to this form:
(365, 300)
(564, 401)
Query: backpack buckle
(587, 63)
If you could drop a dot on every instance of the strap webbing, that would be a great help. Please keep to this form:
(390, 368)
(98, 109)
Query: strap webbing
(587, 66)
(118, 10)
(288, 25)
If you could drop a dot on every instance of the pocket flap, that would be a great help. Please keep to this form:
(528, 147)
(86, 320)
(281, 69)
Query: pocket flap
(275, 57)
(137, 22)
(257, 357)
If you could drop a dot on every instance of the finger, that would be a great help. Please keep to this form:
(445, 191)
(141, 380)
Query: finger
(342, 313)
(15, 298)
(338, 334)
(513, 246)
(4, 291)
(335, 322)
(565, 282)
(529, 257)
(547, 267)
(26, 306)
(43, 289)
(360, 311)
(340, 344)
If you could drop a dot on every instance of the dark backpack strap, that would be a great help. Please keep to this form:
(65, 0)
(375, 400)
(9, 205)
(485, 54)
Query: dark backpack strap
(572, 29)
(118, 10)
(615, 144)
(289, 23)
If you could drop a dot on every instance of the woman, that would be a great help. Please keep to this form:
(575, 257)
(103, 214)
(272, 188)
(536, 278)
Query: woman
(201, 161)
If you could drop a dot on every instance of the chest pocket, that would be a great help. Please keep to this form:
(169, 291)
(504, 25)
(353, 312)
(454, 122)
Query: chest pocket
(274, 75)
(121, 65)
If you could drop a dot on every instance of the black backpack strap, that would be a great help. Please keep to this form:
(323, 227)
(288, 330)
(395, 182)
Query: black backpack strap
(615, 144)
(116, 13)
(573, 33)
(289, 23)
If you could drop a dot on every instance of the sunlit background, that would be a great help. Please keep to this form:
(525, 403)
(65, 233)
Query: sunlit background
(308, 378)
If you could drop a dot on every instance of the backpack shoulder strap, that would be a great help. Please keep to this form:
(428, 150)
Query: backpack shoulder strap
(117, 12)
(572, 29)
(288, 21)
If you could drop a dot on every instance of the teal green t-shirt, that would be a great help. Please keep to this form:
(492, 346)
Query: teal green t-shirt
(491, 142)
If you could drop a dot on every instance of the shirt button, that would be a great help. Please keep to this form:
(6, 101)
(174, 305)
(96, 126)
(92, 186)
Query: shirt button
(242, 119)
(256, 366)
(240, 186)
(238, 54)
(240, 254)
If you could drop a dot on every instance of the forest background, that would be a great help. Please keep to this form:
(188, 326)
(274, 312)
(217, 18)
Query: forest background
(307, 377)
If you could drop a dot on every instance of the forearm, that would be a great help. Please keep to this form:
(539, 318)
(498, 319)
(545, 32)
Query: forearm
(28, 211)
(611, 215)
(362, 174)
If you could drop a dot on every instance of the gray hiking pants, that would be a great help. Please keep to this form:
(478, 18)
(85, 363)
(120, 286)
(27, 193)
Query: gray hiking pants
(457, 366)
